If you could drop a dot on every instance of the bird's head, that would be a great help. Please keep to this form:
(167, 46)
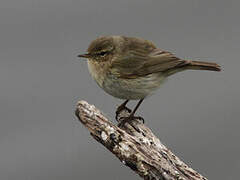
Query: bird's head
(100, 50)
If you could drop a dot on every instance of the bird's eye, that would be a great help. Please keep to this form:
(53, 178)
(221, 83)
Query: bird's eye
(102, 53)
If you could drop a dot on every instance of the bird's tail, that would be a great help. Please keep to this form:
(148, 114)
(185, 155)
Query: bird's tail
(200, 65)
(193, 65)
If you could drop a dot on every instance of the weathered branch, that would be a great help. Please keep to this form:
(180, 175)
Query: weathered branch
(137, 147)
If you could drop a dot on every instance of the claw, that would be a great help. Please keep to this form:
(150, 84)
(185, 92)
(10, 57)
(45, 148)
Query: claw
(140, 119)
(129, 120)
(120, 109)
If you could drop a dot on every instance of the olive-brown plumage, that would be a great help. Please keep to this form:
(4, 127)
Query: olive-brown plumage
(133, 68)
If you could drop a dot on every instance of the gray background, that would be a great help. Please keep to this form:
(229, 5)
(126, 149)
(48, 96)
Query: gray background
(196, 114)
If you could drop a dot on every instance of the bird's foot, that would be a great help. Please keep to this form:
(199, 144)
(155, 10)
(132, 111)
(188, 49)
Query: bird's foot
(120, 109)
(130, 120)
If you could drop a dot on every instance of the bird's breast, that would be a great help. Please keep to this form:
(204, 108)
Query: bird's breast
(121, 88)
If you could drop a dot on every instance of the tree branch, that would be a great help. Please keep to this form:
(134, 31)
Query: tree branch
(138, 148)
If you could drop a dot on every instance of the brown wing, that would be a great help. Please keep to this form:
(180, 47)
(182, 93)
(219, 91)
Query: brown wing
(137, 63)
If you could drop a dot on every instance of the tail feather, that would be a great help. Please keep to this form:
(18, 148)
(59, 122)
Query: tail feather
(200, 65)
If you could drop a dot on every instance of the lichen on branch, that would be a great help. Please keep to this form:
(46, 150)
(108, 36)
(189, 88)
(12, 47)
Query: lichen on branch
(135, 145)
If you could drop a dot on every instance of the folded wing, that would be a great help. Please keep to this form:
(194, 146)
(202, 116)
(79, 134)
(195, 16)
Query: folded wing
(137, 63)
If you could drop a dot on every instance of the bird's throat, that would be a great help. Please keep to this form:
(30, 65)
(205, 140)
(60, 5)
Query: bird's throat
(98, 71)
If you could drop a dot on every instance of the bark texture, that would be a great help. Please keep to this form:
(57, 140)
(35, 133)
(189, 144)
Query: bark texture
(136, 146)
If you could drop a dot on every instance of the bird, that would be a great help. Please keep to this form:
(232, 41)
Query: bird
(132, 68)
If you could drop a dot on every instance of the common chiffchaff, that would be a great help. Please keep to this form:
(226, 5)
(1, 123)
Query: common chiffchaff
(132, 68)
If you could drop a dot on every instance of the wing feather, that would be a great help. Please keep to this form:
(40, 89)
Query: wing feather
(142, 61)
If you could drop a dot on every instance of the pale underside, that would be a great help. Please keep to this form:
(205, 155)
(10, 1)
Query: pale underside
(134, 89)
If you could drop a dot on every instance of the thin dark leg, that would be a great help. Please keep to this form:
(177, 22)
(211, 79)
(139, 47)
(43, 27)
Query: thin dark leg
(124, 103)
(135, 109)
(131, 116)
(122, 107)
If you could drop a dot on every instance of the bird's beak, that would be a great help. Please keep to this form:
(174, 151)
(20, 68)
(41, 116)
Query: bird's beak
(84, 55)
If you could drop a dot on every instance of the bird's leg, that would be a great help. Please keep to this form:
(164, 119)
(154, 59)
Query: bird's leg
(131, 116)
(121, 108)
